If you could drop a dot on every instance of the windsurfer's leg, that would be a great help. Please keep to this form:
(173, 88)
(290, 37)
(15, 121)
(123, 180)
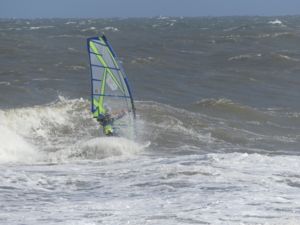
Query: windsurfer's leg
(108, 130)
(109, 134)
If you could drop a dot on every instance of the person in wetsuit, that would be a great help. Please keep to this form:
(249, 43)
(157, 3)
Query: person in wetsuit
(106, 121)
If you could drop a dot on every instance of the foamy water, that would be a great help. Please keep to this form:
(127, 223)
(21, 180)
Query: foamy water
(64, 179)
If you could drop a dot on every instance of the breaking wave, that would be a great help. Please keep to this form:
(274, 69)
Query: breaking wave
(60, 131)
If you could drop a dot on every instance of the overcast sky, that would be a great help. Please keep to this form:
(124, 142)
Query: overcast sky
(144, 8)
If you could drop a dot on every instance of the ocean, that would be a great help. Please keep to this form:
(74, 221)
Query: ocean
(218, 123)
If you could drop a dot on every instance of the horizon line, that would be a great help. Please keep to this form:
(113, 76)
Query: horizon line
(149, 17)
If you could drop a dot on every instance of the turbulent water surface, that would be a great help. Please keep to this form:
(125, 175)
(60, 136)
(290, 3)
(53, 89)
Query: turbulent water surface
(218, 127)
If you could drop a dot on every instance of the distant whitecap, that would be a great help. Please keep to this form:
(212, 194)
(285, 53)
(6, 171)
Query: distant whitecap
(114, 29)
(275, 22)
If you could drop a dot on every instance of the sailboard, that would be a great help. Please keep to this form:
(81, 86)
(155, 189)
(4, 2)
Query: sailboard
(110, 89)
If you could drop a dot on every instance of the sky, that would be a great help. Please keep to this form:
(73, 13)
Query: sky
(144, 8)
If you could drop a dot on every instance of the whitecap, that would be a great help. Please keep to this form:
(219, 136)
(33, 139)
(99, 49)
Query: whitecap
(143, 60)
(288, 58)
(114, 29)
(76, 67)
(240, 57)
(70, 22)
(88, 29)
(275, 22)
(41, 27)
(4, 83)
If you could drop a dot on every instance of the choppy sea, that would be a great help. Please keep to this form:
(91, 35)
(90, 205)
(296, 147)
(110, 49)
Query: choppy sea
(218, 123)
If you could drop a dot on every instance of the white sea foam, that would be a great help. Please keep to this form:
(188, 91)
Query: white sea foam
(235, 188)
(114, 29)
(70, 22)
(89, 29)
(275, 22)
(56, 132)
(25, 131)
(143, 60)
(14, 148)
(76, 67)
(41, 27)
(103, 147)
(274, 35)
(288, 58)
(67, 36)
(4, 83)
(109, 179)
(73, 50)
(41, 79)
(96, 149)
(244, 57)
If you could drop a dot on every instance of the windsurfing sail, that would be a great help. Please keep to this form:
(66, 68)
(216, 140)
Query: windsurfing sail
(110, 90)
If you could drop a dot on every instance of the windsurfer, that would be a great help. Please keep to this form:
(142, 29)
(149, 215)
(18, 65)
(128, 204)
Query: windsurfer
(110, 92)
(107, 120)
